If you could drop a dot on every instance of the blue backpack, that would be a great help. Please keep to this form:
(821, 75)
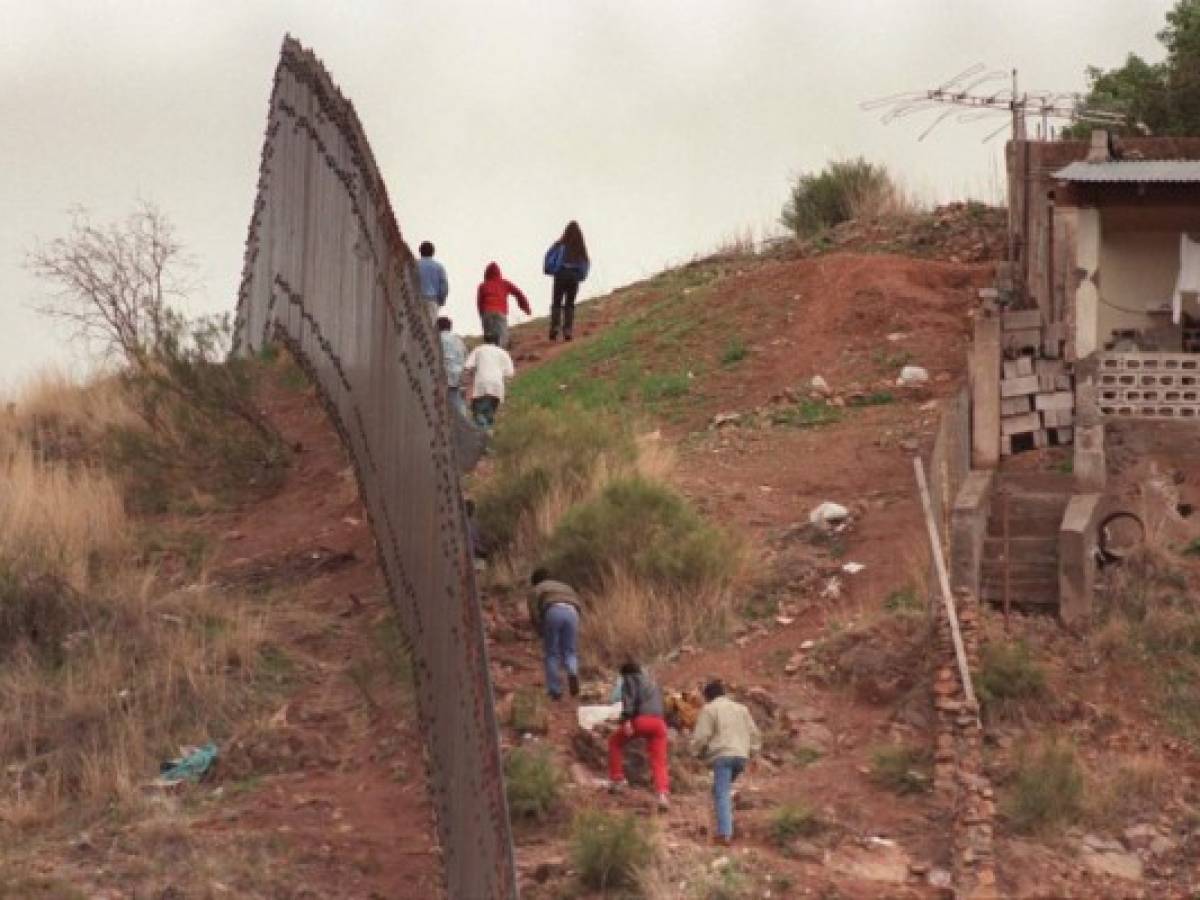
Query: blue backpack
(552, 264)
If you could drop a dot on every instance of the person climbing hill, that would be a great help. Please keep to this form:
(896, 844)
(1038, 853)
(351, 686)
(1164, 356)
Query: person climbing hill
(492, 366)
(725, 736)
(431, 278)
(554, 614)
(641, 717)
(492, 300)
(567, 262)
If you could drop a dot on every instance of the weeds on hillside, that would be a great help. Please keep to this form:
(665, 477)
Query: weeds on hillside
(735, 351)
(1008, 677)
(548, 458)
(1046, 790)
(843, 190)
(792, 821)
(610, 851)
(806, 414)
(901, 769)
(111, 682)
(1127, 788)
(533, 784)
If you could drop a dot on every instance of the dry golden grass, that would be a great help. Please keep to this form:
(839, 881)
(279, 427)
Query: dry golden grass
(884, 201)
(629, 618)
(58, 519)
(1122, 788)
(141, 671)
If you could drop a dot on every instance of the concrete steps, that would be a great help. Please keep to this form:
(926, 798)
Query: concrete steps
(1035, 502)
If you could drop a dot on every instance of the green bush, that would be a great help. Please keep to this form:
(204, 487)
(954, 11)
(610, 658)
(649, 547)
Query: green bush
(608, 851)
(1047, 789)
(794, 820)
(832, 196)
(735, 351)
(900, 768)
(533, 784)
(539, 450)
(645, 528)
(1008, 675)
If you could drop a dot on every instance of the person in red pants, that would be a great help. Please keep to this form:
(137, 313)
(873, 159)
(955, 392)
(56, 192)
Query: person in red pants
(641, 717)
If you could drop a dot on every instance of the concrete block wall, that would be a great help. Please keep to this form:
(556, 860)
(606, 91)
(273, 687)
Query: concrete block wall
(1136, 384)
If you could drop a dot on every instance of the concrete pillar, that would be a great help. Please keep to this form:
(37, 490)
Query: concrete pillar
(985, 391)
(1087, 295)
(1090, 461)
(968, 528)
(1077, 560)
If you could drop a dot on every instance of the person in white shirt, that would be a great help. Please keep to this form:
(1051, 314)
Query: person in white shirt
(454, 355)
(492, 366)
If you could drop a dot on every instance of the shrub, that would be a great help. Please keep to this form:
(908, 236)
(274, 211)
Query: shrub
(791, 821)
(533, 784)
(1008, 675)
(646, 528)
(609, 851)
(1047, 789)
(735, 351)
(539, 452)
(900, 768)
(835, 195)
(529, 714)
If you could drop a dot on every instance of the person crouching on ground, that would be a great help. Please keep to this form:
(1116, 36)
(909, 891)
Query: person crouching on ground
(725, 736)
(492, 300)
(641, 717)
(554, 613)
(492, 367)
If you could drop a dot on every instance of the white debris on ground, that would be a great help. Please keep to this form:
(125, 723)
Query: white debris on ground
(828, 515)
(912, 375)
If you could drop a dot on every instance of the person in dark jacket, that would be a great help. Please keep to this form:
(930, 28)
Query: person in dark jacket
(567, 261)
(554, 614)
(491, 298)
(641, 717)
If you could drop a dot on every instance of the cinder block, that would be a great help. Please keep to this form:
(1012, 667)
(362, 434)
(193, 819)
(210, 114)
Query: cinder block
(1024, 365)
(1041, 440)
(1005, 446)
(1021, 320)
(1015, 387)
(1020, 341)
(1057, 400)
(1064, 435)
(1009, 367)
(1016, 406)
(1062, 383)
(1046, 384)
(1050, 367)
(1024, 424)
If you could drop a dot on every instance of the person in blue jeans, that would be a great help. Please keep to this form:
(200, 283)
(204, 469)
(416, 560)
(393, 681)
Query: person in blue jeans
(554, 612)
(726, 737)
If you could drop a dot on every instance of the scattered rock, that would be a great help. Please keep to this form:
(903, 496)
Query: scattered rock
(912, 375)
(820, 386)
(725, 418)
(762, 699)
(832, 589)
(1139, 837)
(879, 860)
(896, 336)
(853, 568)
(812, 735)
(1115, 863)
(805, 851)
(909, 445)
(1162, 846)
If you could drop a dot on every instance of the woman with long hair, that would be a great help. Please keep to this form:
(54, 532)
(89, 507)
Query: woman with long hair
(568, 264)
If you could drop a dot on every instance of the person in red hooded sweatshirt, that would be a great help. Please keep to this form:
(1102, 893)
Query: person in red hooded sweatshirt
(492, 300)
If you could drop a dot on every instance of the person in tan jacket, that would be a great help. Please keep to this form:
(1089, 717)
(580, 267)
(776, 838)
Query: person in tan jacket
(726, 737)
(554, 613)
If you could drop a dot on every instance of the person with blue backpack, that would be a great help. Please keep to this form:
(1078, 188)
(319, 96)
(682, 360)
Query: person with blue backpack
(567, 263)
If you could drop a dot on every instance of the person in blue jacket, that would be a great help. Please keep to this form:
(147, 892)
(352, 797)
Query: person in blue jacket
(431, 281)
(567, 262)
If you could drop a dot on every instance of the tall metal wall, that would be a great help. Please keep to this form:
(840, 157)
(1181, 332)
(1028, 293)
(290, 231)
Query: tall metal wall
(328, 274)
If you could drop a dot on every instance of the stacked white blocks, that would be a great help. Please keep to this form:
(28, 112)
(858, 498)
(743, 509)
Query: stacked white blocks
(1036, 393)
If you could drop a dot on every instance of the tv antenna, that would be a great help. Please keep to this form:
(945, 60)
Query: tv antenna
(980, 94)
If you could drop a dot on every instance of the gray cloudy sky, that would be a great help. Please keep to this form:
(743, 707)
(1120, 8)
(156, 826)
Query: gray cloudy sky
(664, 126)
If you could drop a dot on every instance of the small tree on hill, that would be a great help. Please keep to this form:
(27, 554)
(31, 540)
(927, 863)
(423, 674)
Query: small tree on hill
(115, 284)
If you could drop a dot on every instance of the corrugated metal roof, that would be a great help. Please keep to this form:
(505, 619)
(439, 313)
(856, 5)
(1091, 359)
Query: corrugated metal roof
(1132, 171)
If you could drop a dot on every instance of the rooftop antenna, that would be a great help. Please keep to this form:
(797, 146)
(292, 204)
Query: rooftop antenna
(968, 98)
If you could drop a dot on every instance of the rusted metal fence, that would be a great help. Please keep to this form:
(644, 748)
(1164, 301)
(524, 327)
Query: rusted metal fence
(328, 274)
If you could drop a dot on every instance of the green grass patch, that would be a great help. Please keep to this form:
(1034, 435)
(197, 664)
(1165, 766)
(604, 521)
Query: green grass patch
(647, 529)
(901, 769)
(1047, 790)
(529, 714)
(875, 398)
(792, 821)
(806, 414)
(532, 783)
(1008, 676)
(610, 851)
(735, 351)
(904, 600)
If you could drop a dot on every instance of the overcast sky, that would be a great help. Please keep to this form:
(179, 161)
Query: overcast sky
(663, 126)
